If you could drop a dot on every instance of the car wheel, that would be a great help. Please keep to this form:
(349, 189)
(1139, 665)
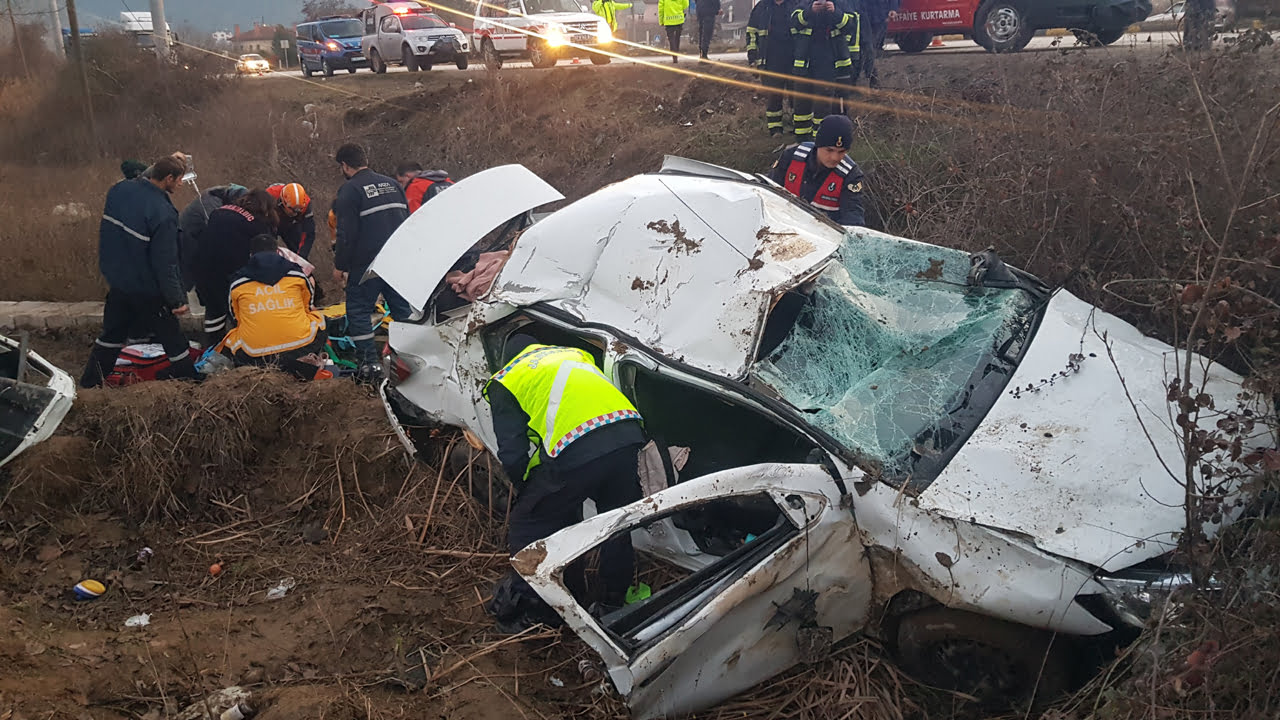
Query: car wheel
(408, 59)
(306, 70)
(541, 56)
(914, 42)
(995, 661)
(326, 68)
(492, 60)
(1001, 26)
(376, 63)
(600, 59)
(460, 62)
(488, 484)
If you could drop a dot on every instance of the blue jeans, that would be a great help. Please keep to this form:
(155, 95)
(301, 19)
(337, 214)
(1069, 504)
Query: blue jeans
(362, 302)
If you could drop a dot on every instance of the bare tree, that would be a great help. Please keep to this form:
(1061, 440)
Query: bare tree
(316, 9)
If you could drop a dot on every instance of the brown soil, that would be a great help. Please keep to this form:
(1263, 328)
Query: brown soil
(272, 479)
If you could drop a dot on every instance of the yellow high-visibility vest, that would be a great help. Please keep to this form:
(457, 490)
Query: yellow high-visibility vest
(564, 394)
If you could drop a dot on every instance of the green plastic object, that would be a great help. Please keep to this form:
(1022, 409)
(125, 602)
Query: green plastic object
(638, 593)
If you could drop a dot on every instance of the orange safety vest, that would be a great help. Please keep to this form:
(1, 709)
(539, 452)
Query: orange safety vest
(828, 195)
(273, 319)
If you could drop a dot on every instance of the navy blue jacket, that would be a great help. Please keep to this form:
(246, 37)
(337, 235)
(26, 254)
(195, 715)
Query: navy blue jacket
(369, 208)
(851, 212)
(138, 242)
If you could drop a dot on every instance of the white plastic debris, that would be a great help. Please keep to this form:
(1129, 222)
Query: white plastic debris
(142, 620)
(556, 681)
(279, 591)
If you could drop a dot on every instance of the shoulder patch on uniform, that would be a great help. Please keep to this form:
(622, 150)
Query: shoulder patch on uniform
(855, 188)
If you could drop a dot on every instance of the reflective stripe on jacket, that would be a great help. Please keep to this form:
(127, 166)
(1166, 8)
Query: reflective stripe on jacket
(564, 394)
(671, 12)
(608, 9)
(273, 319)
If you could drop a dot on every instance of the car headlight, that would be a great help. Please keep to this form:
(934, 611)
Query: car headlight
(1134, 593)
(604, 34)
(554, 37)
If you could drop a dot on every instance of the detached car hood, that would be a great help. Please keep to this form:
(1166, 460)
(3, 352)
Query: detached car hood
(1062, 457)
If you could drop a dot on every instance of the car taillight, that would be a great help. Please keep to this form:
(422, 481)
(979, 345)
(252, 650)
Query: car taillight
(400, 369)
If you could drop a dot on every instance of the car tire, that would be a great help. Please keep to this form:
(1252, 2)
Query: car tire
(600, 59)
(306, 70)
(541, 56)
(351, 71)
(376, 63)
(326, 68)
(492, 60)
(995, 661)
(914, 42)
(487, 482)
(408, 59)
(460, 62)
(1001, 26)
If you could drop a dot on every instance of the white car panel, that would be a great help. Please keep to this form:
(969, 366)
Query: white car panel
(688, 266)
(728, 638)
(422, 250)
(64, 395)
(1068, 463)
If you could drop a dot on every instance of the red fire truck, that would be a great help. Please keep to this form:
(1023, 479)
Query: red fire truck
(1008, 25)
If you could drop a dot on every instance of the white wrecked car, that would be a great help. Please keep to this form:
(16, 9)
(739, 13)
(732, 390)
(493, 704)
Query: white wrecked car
(880, 440)
(34, 397)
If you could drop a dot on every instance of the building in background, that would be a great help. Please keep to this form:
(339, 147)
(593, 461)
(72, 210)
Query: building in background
(258, 40)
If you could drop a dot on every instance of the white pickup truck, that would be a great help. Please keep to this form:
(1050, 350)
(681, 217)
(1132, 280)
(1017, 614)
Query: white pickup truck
(406, 33)
(540, 31)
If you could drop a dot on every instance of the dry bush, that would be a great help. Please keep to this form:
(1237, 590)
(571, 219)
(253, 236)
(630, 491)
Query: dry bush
(175, 450)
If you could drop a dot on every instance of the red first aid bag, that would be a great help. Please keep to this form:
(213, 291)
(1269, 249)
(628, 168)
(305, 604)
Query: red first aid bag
(138, 363)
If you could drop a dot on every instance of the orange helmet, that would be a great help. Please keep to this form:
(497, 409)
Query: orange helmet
(292, 197)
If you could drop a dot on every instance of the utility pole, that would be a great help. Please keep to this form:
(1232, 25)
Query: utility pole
(160, 30)
(17, 39)
(77, 50)
(55, 22)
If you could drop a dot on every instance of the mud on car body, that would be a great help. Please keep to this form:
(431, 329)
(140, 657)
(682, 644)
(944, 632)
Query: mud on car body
(874, 445)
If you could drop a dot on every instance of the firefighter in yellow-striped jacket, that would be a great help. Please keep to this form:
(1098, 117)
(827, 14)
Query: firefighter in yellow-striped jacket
(822, 57)
(771, 48)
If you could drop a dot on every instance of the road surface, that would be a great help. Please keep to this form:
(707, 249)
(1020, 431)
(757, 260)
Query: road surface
(1042, 43)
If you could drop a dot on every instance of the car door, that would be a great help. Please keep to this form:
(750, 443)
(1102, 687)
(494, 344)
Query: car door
(389, 39)
(782, 596)
(507, 36)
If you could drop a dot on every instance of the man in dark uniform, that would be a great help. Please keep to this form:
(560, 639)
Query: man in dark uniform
(368, 209)
(138, 256)
(821, 55)
(565, 434)
(771, 48)
(822, 174)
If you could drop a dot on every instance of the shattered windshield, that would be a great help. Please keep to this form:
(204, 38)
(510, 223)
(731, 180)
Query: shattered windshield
(895, 357)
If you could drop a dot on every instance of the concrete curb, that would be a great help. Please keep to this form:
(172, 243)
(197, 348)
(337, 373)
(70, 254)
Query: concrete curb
(29, 315)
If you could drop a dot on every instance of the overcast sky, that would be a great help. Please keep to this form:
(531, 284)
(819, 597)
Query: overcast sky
(204, 14)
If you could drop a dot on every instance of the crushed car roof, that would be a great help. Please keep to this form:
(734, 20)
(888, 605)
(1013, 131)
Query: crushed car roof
(687, 267)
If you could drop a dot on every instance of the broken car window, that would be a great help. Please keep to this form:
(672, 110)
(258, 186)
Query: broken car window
(895, 357)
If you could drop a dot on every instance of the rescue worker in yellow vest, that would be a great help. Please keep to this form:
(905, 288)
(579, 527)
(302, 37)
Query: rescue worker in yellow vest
(565, 434)
(608, 9)
(822, 174)
(271, 302)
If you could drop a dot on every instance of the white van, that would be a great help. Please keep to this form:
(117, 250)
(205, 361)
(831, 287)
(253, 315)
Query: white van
(406, 33)
(540, 31)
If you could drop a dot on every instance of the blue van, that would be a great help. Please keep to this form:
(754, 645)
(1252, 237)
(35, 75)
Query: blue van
(331, 44)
